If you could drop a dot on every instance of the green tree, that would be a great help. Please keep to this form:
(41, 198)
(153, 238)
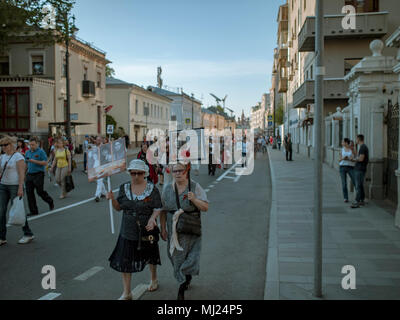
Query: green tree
(279, 113)
(28, 20)
(110, 72)
(118, 131)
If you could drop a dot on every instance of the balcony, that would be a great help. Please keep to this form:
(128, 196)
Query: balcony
(88, 89)
(283, 85)
(368, 25)
(283, 54)
(283, 26)
(334, 89)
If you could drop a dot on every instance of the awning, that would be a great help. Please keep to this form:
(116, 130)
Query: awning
(73, 124)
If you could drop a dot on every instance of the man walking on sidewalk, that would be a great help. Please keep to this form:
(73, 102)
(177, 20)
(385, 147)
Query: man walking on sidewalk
(36, 159)
(288, 147)
(360, 170)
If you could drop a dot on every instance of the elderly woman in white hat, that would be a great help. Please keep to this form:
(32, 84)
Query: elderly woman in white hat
(137, 244)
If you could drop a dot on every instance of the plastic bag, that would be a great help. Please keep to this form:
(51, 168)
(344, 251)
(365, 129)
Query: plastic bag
(17, 213)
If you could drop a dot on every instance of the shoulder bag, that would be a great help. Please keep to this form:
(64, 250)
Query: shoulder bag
(190, 221)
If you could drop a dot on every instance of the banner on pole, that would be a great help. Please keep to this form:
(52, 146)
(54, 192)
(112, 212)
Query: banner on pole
(106, 160)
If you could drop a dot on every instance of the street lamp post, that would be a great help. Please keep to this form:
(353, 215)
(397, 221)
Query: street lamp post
(319, 109)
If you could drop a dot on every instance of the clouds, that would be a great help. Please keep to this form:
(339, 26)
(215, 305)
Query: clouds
(243, 80)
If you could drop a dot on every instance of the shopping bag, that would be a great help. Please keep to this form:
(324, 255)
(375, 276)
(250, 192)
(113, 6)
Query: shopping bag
(17, 216)
(69, 183)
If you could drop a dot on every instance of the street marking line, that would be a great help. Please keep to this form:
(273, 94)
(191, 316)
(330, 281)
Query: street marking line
(50, 296)
(211, 187)
(206, 190)
(237, 178)
(139, 291)
(62, 209)
(91, 272)
(228, 171)
(228, 177)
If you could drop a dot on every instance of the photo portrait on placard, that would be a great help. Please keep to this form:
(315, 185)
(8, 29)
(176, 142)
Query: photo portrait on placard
(105, 154)
(119, 151)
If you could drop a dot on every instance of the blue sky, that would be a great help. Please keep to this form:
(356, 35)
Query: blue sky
(204, 46)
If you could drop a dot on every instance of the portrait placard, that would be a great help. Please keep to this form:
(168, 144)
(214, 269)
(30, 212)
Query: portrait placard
(106, 160)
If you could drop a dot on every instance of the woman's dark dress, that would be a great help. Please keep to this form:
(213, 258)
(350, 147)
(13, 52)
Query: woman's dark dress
(126, 256)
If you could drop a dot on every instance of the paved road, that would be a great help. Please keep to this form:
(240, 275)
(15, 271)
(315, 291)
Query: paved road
(78, 241)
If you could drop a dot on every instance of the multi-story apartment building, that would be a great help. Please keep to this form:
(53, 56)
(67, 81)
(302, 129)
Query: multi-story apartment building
(33, 89)
(184, 108)
(136, 109)
(343, 49)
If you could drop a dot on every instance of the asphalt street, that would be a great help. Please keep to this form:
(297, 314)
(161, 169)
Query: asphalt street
(78, 241)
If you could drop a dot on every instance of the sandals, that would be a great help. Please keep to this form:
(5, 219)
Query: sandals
(3, 242)
(128, 297)
(153, 286)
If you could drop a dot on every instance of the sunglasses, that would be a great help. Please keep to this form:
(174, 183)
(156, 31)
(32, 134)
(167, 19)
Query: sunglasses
(4, 145)
(136, 173)
(178, 171)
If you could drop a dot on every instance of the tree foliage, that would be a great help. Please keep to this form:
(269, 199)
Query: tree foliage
(28, 19)
(110, 72)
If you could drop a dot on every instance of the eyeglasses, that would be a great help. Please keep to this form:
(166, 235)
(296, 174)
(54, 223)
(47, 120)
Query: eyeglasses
(4, 145)
(178, 171)
(136, 173)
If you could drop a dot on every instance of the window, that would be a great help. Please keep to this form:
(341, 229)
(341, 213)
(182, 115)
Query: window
(14, 109)
(144, 108)
(4, 66)
(85, 73)
(305, 4)
(311, 73)
(98, 79)
(37, 65)
(349, 64)
(136, 106)
(364, 5)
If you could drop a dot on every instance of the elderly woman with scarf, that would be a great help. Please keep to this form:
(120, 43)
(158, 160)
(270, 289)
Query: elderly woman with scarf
(137, 244)
(182, 197)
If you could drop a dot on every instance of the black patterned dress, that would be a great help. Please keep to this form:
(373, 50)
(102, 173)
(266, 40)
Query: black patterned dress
(127, 256)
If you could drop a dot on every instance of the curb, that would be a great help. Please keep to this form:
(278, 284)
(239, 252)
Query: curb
(271, 291)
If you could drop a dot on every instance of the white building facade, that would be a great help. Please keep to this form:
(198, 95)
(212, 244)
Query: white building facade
(137, 110)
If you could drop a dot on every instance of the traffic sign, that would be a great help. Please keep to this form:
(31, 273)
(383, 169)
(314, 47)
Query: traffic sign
(110, 129)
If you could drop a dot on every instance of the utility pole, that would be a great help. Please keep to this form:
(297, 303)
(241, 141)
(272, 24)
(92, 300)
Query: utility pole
(319, 111)
(68, 111)
(192, 109)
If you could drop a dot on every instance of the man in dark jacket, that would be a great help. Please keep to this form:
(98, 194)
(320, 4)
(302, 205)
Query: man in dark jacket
(288, 147)
(360, 171)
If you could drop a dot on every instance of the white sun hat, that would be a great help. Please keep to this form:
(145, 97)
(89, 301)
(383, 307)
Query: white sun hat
(138, 165)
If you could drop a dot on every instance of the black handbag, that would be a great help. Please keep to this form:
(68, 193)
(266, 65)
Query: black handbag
(189, 222)
(69, 183)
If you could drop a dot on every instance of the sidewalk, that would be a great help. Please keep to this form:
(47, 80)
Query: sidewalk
(365, 238)
(131, 151)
